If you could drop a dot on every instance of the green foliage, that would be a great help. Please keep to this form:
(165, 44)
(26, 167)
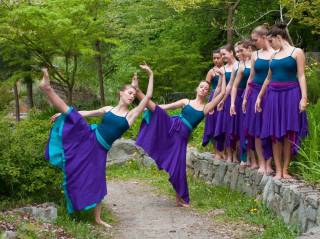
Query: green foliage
(305, 11)
(23, 169)
(308, 161)
(313, 84)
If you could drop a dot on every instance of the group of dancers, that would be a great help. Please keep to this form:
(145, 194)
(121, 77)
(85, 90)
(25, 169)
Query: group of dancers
(256, 107)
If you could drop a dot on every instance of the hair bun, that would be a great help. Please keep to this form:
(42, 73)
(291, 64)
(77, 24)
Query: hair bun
(281, 25)
(266, 25)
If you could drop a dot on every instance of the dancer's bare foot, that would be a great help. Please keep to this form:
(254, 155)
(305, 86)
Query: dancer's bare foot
(185, 205)
(243, 164)
(229, 160)
(102, 223)
(287, 176)
(278, 175)
(45, 83)
(178, 201)
(261, 170)
(254, 166)
(269, 171)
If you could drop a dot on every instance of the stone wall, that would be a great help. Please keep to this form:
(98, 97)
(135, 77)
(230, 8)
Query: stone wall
(295, 201)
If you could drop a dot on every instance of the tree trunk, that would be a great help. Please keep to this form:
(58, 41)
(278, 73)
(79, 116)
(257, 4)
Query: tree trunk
(16, 99)
(230, 25)
(100, 73)
(70, 95)
(28, 81)
(231, 10)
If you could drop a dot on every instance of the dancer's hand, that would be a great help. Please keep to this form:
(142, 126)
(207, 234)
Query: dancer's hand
(218, 71)
(233, 110)
(257, 107)
(135, 80)
(303, 104)
(220, 105)
(146, 68)
(244, 105)
(54, 117)
(45, 72)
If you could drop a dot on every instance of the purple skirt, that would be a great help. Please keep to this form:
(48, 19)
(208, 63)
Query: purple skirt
(281, 116)
(233, 126)
(219, 134)
(73, 147)
(209, 127)
(165, 140)
(253, 122)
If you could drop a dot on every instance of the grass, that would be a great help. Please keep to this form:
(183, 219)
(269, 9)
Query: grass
(307, 164)
(205, 198)
(77, 225)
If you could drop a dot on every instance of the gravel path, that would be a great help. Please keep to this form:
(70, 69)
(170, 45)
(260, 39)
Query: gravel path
(142, 213)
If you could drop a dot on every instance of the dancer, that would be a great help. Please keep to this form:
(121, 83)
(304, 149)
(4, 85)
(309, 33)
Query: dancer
(253, 120)
(224, 122)
(165, 138)
(216, 84)
(284, 117)
(80, 150)
(243, 51)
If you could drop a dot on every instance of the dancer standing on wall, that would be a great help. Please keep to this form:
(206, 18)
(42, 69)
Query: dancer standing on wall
(284, 117)
(260, 61)
(216, 87)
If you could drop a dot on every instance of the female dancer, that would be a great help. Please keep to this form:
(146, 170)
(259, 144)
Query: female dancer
(259, 70)
(243, 51)
(165, 138)
(216, 83)
(284, 117)
(80, 151)
(224, 121)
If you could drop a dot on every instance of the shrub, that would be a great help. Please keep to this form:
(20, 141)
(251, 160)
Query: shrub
(23, 170)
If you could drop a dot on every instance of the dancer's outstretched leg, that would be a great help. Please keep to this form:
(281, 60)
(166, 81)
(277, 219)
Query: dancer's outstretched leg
(54, 99)
(97, 215)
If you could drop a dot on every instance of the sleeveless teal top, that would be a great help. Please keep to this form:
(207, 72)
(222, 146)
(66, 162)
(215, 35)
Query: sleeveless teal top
(228, 76)
(214, 82)
(261, 68)
(112, 127)
(192, 115)
(284, 69)
(245, 77)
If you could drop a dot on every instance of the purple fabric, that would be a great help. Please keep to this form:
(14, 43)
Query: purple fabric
(233, 127)
(85, 162)
(209, 127)
(253, 121)
(281, 116)
(165, 140)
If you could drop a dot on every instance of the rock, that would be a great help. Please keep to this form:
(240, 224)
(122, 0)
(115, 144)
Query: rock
(122, 150)
(313, 233)
(8, 235)
(46, 212)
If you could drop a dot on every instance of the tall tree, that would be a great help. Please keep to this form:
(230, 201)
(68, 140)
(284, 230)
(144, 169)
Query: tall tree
(57, 32)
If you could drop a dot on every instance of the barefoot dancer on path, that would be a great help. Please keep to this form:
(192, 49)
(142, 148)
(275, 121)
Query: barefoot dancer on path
(165, 138)
(80, 150)
(285, 89)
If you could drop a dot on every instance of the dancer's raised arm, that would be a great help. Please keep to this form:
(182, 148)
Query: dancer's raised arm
(144, 99)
